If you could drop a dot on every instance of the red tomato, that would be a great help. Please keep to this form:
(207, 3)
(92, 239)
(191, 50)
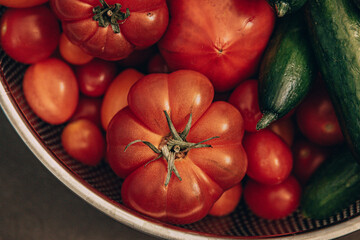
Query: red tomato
(29, 35)
(95, 77)
(317, 120)
(115, 97)
(222, 39)
(307, 158)
(72, 53)
(21, 3)
(245, 99)
(270, 158)
(138, 58)
(157, 64)
(88, 108)
(204, 172)
(137, 24)
(285, 128)
(228, 201)
(273, 201)
(51, 90)
(83, 141)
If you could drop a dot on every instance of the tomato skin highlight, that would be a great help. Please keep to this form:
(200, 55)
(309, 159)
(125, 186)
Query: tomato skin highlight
(269, 157)
(144, 26)
(273, 201)
(217, 38)
(51, 89)
(29, 35)
(205, 172)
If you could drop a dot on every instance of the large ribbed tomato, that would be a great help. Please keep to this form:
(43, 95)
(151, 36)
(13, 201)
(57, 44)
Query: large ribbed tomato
(181, 176)
(112, 29)
(222, 39)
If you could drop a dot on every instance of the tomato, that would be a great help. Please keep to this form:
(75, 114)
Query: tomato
(285, 128)
(157, 64)
(21, 3)
(317, 120)
(95, 76)
(273, 201)
(138, 58)
(83, 141)
(245, 99)
(137, 25)
(51, 90)
(270, 158)
(71, 52)
(200, 173)
(88, 108)
(224, 40)
(29, 35)
(308, 157)
(115, 97)
(228, 201)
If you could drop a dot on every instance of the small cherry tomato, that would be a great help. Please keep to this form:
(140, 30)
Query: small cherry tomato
(88, 108)
(285, 128)
(273, 201)
(228, 201)
(72, 53)
(84, 141)
(51, 89)
(21, 3)
(157, 64)
(29, 35)
(95, 77)
(269, 157)
(115, 97)
(308, 156)
(317, 120)
(245, 99)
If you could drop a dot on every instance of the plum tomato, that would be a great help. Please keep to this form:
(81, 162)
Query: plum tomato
(228, 201)
(317, 120)
(21, 3)
(84, 141)
(71, 52)
(88, 108)
(224, 40)
(95, 76)
(270, 159)
(245, 99)
(285, 128)
(112, 29)
(273, 201)
(115, 97)
(51, 89)
(29, 35)
(171, 173)
(308, 156)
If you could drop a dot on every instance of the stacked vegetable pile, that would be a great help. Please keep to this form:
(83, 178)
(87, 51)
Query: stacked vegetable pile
(199, 104)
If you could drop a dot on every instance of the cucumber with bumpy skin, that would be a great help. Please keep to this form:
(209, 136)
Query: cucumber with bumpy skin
(286, 7)
(287, 70)
(334, 27)
(332, 187)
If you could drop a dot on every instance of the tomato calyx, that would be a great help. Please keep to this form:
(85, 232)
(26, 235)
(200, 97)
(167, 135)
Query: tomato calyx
(173, 147)
(110, 14)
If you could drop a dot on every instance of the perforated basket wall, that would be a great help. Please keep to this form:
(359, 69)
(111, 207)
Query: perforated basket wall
(104, 184)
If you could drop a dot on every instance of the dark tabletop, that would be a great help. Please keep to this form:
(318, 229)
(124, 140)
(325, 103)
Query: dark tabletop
(36, 205)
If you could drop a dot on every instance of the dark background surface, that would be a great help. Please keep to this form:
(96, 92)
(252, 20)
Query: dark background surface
(36, 205)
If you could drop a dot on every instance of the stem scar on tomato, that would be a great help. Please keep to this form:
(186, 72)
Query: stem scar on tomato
(110, 14)
(173, 147)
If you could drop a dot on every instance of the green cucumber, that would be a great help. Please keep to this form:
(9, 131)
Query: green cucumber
(333, 186)
(285, 7)
(287, 70)
(334, 27)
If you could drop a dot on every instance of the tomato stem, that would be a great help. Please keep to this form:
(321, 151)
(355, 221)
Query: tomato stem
(175, 147)
(110, 14)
